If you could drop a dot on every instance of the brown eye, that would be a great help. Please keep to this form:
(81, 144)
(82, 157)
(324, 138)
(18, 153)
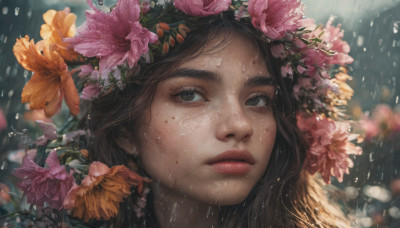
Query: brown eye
(259, 101)
(190, 95)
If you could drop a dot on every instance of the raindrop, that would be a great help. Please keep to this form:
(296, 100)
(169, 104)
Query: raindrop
(380, 42)
(394, 43)
(364, 49)
(371, 23)
(394, 212)
(371, 157)
(360, 41)
(396, 25)
(397, 99)
(377, 192)
(17, 116)
(29, 14)
(100, 2)
(26, 73)
(5, 10)
(3, 165)
(16, 11)
(8, 69)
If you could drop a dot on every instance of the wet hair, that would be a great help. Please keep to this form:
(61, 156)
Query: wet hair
(286, 196)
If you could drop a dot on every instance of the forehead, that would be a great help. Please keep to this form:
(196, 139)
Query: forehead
(229, 53)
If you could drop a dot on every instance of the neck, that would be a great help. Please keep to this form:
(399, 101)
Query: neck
(175, 209)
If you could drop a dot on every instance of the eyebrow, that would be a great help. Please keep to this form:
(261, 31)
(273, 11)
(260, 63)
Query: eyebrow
(200, 74)
(206, 75)
(259, 81)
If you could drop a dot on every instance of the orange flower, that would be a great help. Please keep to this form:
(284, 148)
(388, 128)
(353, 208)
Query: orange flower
(345, 91)
(101, 191)
(51, 80)
(60, 25)
(4, 194)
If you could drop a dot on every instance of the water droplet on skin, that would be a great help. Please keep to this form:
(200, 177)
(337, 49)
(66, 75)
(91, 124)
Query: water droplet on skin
(243, 68)
(218, 62)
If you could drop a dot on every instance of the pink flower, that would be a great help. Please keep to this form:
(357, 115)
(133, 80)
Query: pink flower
(91, 92)
(49, 131)
(3, 121)
(202, 8)
(315, 60)
(286, 71)
(44, 184)
(333, 37)
(145, 6)
(113, 37)
(278, 51)
(330, 146)
(275, 17)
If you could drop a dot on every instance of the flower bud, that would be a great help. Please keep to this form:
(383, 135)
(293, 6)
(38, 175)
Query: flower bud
(183, 32)
(179, 38)
(165, 48)
(184, 27)
(164, 26)
(160, 32)
(171, 41)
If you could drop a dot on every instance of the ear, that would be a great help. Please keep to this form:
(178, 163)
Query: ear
(124, 140)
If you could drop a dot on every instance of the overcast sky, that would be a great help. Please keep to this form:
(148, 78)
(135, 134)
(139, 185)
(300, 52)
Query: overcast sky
(346, 9)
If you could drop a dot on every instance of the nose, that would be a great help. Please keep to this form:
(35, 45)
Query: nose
(233, 124)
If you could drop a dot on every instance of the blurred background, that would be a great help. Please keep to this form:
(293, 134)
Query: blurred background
(372, 29)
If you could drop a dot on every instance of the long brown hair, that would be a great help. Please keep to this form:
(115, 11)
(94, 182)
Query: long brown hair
(286, 196)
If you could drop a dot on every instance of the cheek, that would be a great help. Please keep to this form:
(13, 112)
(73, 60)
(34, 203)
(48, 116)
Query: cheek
(168, 142)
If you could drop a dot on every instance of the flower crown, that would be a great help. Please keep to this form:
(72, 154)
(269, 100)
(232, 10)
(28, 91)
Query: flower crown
(109, 44)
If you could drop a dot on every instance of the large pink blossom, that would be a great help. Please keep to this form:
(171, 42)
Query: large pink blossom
(275, 17)
(41, 185)
(333, 36)
(330, 146)
(202, 8)
(383, 122)
(113, 37)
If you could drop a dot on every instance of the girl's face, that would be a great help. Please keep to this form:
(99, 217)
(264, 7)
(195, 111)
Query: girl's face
(210, 130)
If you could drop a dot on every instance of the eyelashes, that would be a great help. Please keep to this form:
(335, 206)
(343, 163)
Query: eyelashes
(189, 95)
(192, 95)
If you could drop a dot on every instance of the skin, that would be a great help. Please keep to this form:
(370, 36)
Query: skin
(217, 102)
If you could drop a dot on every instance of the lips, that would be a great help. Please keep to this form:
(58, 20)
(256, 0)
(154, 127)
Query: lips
(233, 162)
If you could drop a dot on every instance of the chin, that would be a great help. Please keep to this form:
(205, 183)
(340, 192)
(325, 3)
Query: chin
(227, 196)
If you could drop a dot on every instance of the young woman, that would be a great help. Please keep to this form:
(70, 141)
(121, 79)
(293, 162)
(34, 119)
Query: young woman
(208, 123)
